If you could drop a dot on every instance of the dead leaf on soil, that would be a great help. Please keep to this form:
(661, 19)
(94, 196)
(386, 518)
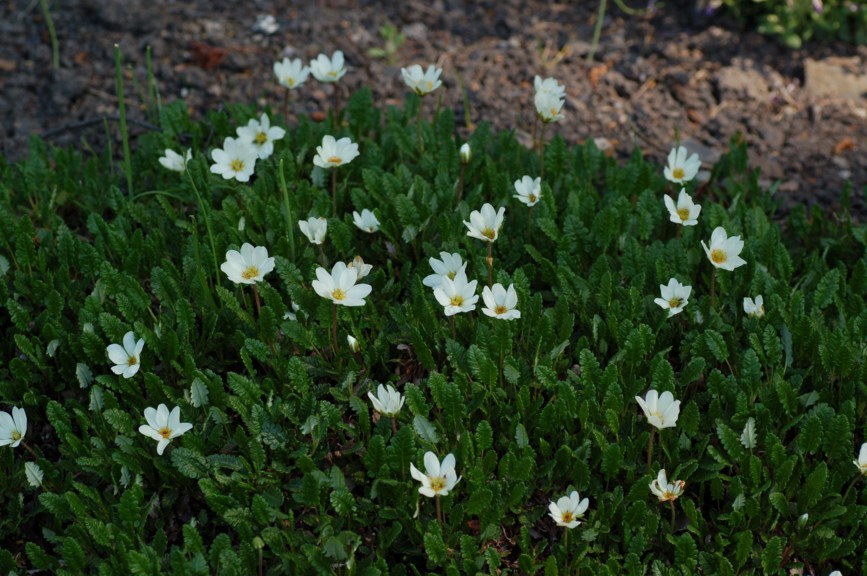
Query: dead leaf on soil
(844, 145)
(596, 73)
(206, 56)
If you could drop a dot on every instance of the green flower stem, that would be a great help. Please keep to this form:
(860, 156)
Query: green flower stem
(712, 284)
(206, 213)
(650, 449)
(849, 488)
(334, 191)
(334, 328)
(439, 511)
(542, 152)
(127, 159)
(597, 30)
(52, 34)
(290, 231)
(673, 515)
(490, 262)
(256, 298)
(418, 129)
(460, 190)
(335, 104)
(566, 549)
(454, 331)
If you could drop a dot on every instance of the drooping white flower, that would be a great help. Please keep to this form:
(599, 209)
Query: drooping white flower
(485, 224)
(549, 85)
(163, 426)
(360, 266)
(387, 401)
(661, 410)
(664, 490)
(466, 153)
(861, 462)
(568, 510)
(247, 266)
(685, 212)
(333, 153)
(127, 357)
(13, 427)
(314, 228)
(340, 286)
(674, 296)
(679, 168)
(439, 478)
(236, 159)
(173, 161)
(365, 221)
(500, 303)
(327, 69)
(549, 107)
(422, 82)
(456, 295)
(450, 266)
(754, 308)
(529, 190)
(291, 73)
(724, 252)
(261, 135)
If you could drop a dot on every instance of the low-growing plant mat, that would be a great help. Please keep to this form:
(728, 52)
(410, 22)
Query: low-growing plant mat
(275, 461)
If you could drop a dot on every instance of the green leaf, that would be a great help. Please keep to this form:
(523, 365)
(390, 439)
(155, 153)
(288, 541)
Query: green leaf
(521, 436)
(190, 463)
(772, 555)
(425, 429)
(826, 289)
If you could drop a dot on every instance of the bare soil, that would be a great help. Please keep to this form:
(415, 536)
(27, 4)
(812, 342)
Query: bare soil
(676, 74)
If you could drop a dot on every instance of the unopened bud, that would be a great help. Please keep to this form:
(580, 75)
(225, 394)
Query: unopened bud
(466, 153)
(353, 343)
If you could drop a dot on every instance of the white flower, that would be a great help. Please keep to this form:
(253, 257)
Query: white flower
(466, 153)
(529, 190)
(359, 265)
(291, 73)
(174, 161)
(549, 85)
(500, 303)
(314, 228)
(352, 343)
(548, 106)
(387, 401)
(685, 212)
(450, 266)
(860, 463)
(456, 295)
(13, 427)
(724, 252)
(247, 266)
(422, 83)
(835, 573)
(340, 286)
(680, 169)
(439, 478)
(661, 410)
(236, 159)
(333, 153)
(485, 225)
(163, 426)
(327, 69)
(261, 135)
(568, 509)
(366, 221)
(127, 357)
(34, 474)
(665, 491)
(754, 308)
(293, 314)
(674, 296)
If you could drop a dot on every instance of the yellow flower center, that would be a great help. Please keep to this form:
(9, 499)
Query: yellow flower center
(338, 294)
(290, 82)
(250, 272)
(16, 436)
(332, 74)
(429, 85)
(165, 432)
(567, 517)
(674, 302)
(452, 275)
(132, 360)
(457, 300)
(500, 309)
(489, 233)
(718, 255)
(678, 173)
(683, 213)
(335, 160)
(532, 198)
(237, 165)
(438, 483)
(261, 138)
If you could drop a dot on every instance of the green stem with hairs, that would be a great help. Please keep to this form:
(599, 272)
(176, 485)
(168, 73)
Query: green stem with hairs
(290, 233)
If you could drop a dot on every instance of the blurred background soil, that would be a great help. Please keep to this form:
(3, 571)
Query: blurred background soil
(676, 74)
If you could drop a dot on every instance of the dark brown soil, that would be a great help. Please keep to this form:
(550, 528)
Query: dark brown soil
(676, 74)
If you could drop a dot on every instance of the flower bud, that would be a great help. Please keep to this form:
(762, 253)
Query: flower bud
(353, 343)
(466, 153)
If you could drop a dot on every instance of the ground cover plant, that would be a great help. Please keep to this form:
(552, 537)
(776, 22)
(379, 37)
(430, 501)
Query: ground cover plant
(270, 354)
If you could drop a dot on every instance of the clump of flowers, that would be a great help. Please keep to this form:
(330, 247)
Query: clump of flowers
(249, 265)
(500, 302)
(171, 160)
(127, 357)
(261, 135)
(529, 190)
(685, 211)
(236, 159)
(674, 296)
(163, 426)
(681, 169)
(568, 510)
(13, 427)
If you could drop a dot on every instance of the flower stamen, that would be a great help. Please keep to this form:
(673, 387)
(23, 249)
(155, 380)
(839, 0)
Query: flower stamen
(678, 173)
(250, 272)
(237, 165)
(338, 294)
(718, 255)
(683, 213)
